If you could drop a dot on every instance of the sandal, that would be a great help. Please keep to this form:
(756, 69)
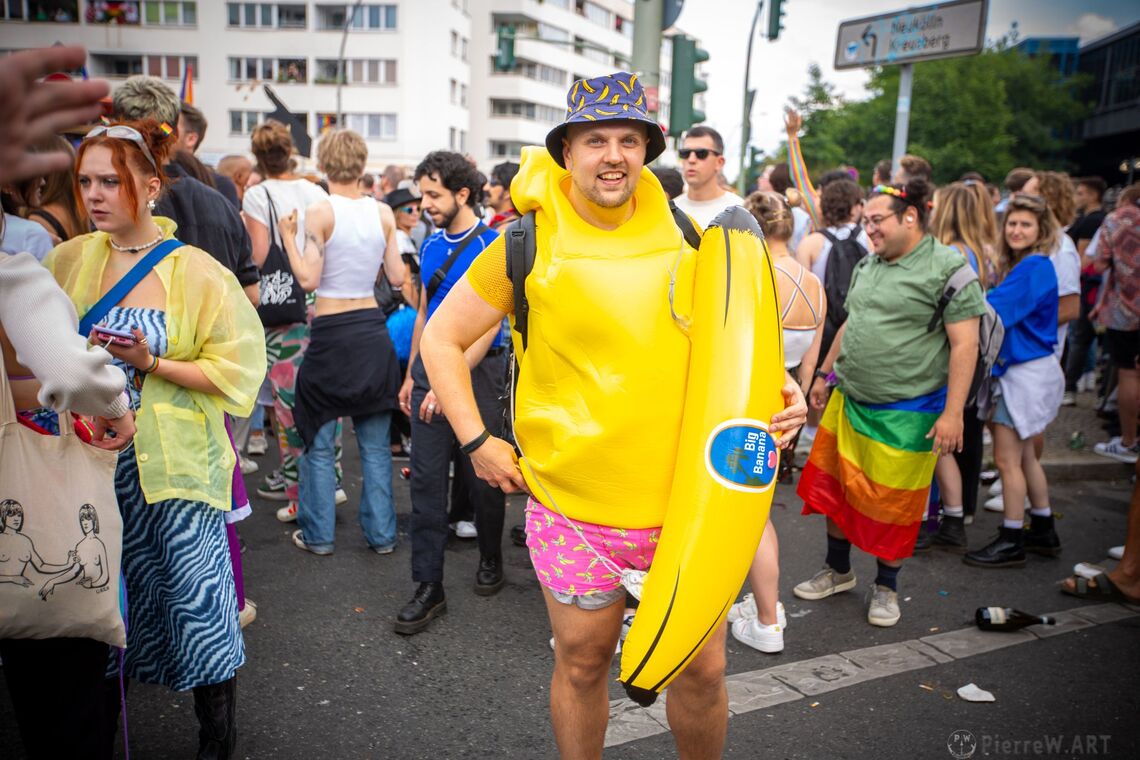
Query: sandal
(1104, 590)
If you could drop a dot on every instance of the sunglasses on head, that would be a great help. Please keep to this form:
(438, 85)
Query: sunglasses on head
(702, 153)
(123, 132)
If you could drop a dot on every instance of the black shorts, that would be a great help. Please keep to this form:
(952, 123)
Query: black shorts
(1123, 346)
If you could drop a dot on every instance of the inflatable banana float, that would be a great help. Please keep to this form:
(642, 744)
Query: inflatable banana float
(727, 460)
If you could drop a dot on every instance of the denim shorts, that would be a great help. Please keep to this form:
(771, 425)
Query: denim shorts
(570, 568)
(1001, 414)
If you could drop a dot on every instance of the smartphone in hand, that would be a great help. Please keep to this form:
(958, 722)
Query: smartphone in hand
(111, 335)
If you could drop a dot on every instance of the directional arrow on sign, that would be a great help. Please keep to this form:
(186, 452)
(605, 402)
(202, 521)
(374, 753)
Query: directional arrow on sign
(872, 39)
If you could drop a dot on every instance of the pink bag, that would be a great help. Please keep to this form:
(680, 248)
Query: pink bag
(61, 535)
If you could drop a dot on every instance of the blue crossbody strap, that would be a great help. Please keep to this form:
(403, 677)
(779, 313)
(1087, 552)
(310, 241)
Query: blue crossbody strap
(126, 285)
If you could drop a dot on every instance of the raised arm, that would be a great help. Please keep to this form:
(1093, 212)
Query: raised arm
(798, 168)
(307, 265)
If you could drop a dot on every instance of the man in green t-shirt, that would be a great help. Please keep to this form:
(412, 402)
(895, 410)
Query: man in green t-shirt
(901, 390)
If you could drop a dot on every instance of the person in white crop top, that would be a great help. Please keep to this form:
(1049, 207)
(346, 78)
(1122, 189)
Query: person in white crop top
(350, 367)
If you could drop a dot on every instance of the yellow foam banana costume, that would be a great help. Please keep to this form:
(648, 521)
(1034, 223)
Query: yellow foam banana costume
(726, 460)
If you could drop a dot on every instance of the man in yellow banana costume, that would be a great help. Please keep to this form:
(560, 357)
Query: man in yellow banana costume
(599, 398)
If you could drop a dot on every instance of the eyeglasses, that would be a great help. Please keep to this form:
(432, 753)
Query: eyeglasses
(874, 222)
(123, 132)
(702, 153)
(409, 209)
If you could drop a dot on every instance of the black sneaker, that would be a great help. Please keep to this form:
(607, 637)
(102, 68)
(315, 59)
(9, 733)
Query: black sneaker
(951, 535)
(489, 577)
(1007, 550)
(426, 604)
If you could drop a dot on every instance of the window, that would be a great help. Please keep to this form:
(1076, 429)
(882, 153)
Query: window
(539, 72)
(454, 43)
(368, 17)
(356, 71)
(452, 138)
(267, 15)
(463, 48)
(463, 95)
(583, 48)
(623, 26)
(371, 126)
(168, 13)
(593, 12)
(98, 12)
(116, 65)
(507, 148)
(454, 89)
(524, 110)
(170, 66)
(281, 70)
(244, 122)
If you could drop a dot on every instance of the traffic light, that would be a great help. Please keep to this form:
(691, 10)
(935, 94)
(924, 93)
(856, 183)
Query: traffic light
(505, 48)
(775, 19)
(686, 56)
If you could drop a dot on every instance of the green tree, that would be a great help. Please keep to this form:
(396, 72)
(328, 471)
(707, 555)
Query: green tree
(988, 113)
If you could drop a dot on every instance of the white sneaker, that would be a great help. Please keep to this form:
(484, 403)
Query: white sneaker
(883, 610)
(995, 488)
(248, 466)
(288, 513)
(746, 608)
(1087, 382)
(765, 638)
(247, 614)
(825, 583)
(257, 444)
(987, 439)
(1068, 398)
(341, 497)
(1114, 449)
(996, 504)
(1116, 552)
(465, 529)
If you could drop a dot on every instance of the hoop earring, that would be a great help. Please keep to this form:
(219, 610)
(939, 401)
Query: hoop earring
(150, 205)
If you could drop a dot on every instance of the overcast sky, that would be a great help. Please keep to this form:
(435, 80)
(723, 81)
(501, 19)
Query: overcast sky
(779, 69)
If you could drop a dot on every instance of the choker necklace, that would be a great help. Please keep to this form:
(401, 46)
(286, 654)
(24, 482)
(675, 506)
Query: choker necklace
(136, 248)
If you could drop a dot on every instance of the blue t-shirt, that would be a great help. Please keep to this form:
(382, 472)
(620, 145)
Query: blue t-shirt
(1026, 300)
(435, 252)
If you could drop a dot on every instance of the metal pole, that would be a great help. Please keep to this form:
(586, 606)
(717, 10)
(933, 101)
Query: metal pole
(746, 124)
(646, 61)
(902, 113)
(340, 62)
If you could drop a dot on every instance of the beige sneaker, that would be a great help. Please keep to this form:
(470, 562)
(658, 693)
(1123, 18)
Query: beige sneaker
(884, 608)
(247, 614)
(825, 583)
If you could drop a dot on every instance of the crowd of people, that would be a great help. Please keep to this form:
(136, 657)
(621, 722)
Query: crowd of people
(917, 322)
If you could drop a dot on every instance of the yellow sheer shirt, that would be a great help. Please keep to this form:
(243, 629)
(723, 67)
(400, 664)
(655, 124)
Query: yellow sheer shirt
(182, 448)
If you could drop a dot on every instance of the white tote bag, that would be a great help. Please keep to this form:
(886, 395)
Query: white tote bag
(61, 535)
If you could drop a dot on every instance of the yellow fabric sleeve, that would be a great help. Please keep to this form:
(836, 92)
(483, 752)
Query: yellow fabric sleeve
(488, 276)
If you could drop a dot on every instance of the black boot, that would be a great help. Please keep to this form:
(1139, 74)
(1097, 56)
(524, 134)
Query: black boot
(1007, 550)
(951, 535)
(923, 541)
(216, 708)
(489, 578)
(518, 535)
(1041, 537)
(427, 602)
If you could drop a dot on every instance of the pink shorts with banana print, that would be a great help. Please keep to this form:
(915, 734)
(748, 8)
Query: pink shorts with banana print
(570, 571)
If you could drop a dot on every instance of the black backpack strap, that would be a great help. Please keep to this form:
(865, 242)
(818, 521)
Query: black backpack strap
(957, 282)
(440, 274)
(521, 245)
(823, 231)
(682, 220)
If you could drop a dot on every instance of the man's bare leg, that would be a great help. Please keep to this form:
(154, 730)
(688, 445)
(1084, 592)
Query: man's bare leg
(579, 689)
(697, 703)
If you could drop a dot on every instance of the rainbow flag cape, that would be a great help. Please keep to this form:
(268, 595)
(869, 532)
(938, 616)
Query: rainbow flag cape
(870, 470)
(187, 94)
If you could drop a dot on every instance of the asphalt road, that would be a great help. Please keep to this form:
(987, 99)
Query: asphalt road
(326, 676)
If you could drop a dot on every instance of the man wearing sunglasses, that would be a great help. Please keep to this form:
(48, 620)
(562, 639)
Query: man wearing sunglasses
(498, 193)
(702, 159)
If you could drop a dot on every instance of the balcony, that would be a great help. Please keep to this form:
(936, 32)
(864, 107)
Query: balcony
(42, 11)
(116, 65)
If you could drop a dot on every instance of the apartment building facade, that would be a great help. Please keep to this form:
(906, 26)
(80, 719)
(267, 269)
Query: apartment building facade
(418, 74)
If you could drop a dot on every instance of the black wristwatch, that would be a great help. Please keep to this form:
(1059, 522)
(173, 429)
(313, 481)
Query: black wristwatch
(821, 375)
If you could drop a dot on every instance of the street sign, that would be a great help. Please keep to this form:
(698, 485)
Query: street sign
(672, 9)
(942, 30)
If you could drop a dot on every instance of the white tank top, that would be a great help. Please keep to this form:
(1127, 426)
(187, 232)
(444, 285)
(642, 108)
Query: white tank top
(355, 251)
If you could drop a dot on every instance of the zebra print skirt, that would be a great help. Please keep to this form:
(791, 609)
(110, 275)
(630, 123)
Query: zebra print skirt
(182, 616)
